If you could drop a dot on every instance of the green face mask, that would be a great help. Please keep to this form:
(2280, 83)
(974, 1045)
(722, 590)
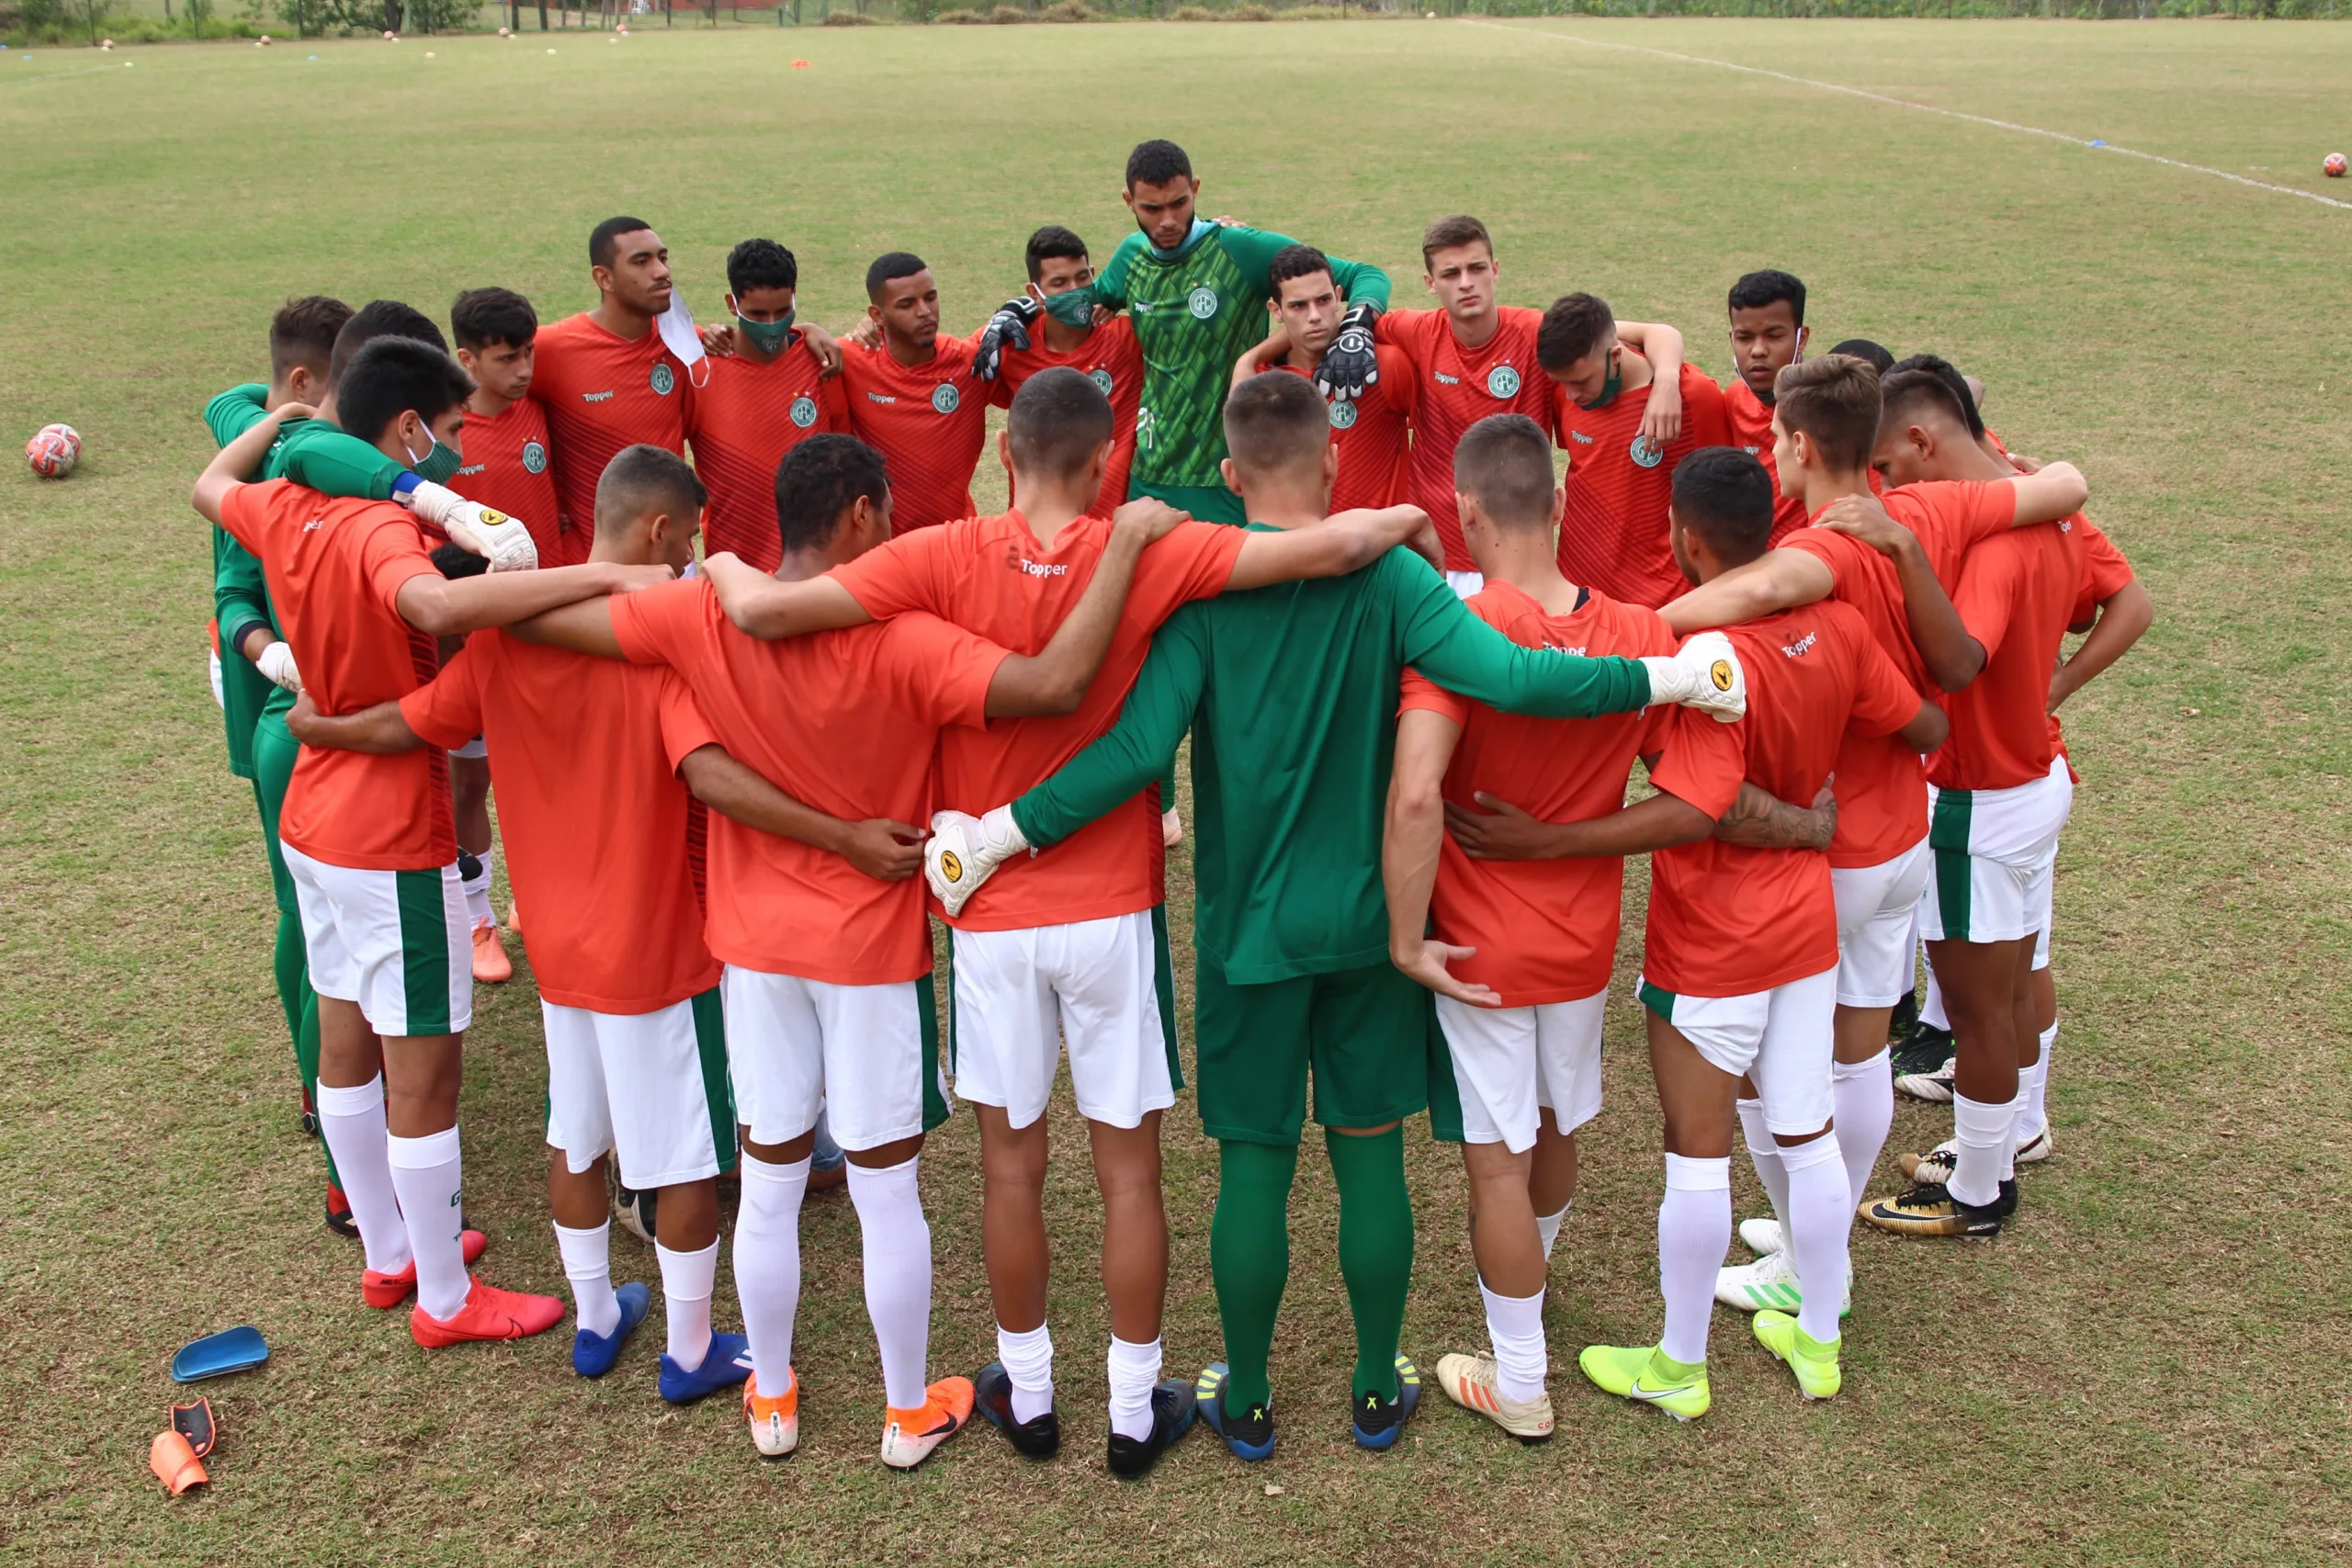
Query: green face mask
(766, 337)
(1072, 307)
(438, 464)
(1611, 388)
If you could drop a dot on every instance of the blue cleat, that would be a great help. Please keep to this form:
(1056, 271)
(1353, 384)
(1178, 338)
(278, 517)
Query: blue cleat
(592, 1355)
(725, 1364)
(1379, 1421)
(1249, 1436)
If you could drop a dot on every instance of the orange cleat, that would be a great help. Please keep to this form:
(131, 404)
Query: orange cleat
(492, 966)
(385, 1291)
(909, 1435)
(774, 1423)
(489, 1314)
(514, 917)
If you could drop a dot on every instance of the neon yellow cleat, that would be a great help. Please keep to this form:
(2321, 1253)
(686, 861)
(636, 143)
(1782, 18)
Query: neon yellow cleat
(1645, 1372)
(1814, 1363)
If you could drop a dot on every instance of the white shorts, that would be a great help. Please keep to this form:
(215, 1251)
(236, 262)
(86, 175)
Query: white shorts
(1781, 1040)
(1510, 1065)
(220, 692)
(866, 1055)
(1104, 988)
(1877, 908)
(2042, 916)
(472, 749)
(1994, 852)
(648, 1089)
(398, 942)
(1464, 584)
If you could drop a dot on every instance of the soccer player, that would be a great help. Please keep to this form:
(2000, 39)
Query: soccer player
(1739, 963)
(1072, 947)
(1621, 467)
(1371, 432)
(761, 400)
(595, 819)
(1767, 334)
(914, 397)
(1061, 280)
(1294, 688)
(369, 841)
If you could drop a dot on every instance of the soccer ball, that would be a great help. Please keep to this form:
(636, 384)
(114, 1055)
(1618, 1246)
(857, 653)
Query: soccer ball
(503, 33)
(2332, 165)
(54, 451)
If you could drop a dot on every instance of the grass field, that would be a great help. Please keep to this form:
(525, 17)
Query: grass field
(2150, 1367)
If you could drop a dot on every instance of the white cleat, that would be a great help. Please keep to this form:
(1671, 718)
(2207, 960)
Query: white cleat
(1935, 1167)
(1470, 1382)
(1769, 1282)
(1761, 1237)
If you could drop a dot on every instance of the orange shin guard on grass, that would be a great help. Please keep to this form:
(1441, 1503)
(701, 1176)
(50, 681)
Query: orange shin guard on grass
(175, 1463)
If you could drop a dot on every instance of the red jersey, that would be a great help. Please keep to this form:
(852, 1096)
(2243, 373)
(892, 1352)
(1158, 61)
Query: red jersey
(1613, 538)
(928, 420)
(1546, 930)
(602, 392)
(593, 815)
(2014, 597)
(1750, 418)
(1454, 386)
(1725, 919)
(335, 570)
(1111, 356)
(742, 421)
(990, 576)
(507, 470)
(2105, 574)
(1373, 434)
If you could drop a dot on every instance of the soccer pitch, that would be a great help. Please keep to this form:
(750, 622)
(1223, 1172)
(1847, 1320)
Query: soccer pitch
(2151, 1366)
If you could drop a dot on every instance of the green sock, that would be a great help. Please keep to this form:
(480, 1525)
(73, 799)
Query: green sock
(1249, 1260)
(305, 1020)
(291, 964)
(1375, 1248)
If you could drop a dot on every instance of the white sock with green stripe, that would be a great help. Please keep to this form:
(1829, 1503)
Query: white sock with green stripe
(427, 1173)
(767, 1264)
(1693, 1231)
(687, 1279)
(588, 1265)
(1981, 1130)
(352, 1122)
(1515, 1324)
(1818, 1218)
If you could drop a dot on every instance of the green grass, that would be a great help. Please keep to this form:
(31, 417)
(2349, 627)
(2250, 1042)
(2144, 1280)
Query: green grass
(2151, 1367)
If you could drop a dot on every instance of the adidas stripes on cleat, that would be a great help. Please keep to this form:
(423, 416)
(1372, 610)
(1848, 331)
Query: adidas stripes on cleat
(910, 1436)
(1376, 1420)
(1470, 1382)
(1173, 1407)
(1645, 1373)
(1929, 1209)
(1040, 1436)
(385, 1291)
(1769, 1282)
(1936, 1164)
(489, 1314)
(1813, 1362)
(1249, 1434)
(725, 1364)
(592, 1355)
(774, 1423)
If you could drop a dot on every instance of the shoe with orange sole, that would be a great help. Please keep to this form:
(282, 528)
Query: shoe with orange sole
(385, 1291)
(514, 917)
(489, 1314)
(492, 966)
(774, 1423)
(909, 1435)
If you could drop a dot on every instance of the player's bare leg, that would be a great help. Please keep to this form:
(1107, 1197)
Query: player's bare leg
(1551, 1181)
(470, 804)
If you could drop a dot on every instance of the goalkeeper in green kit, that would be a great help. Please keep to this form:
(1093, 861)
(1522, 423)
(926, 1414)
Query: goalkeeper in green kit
(1292, 692)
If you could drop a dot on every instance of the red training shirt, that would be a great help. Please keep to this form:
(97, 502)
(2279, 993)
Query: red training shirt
(1454, 386)
(2105, 574)
(1373, 434)
(602, 392)
(2016, 595)
(508, 469)
(1111, 356)
(928, 420)
(742, 421)
(1750, 418)
(1613, 539)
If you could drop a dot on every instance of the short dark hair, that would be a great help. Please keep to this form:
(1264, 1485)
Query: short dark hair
(1057, 420)
(484, 316)
(1275, 422)
(604, 239)
(1051, 242)
(1156, 163)
(1504, 462)
(889, 267)
(1864, 349)
(1757, 290)
(1723, 495)
(643, 478)
(379, 318)
(1948, 374)
(1456, 229)
(818, 480)
(1835, 400)
(389, 377)
(761, 263)
(1906, 395)
(1573, 327)
(1296, 261)
(302, 333)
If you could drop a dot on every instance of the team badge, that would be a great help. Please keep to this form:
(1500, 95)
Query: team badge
(1502, 381)
(1343, 413)
(804, 411)
(1646, 455)
(1102, 378)
(534, 457)
(1202, 302)
(951, 866)
(662, 381)
(490, 519)
(943, 398)
(1720, 673)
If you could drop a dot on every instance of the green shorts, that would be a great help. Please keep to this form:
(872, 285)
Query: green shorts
(1209, 504)
(1364, 1035)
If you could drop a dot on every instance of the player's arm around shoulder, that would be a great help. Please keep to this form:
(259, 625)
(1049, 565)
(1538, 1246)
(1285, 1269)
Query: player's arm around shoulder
(380, 731)
(1778, 580)
(226, 473)
(2056, 491)
(1342, 543)
(762, 607)
(1056, 681)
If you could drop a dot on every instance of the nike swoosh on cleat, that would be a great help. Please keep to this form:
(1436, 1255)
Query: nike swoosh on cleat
(1638, 1392)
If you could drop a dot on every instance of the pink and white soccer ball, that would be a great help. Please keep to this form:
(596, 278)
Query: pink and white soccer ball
(2332, 165)
(54, 451)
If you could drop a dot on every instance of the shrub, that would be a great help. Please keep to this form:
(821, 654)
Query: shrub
(1250, 14)
(1008, 16)
(959, 17)
(1065, 11)
(848, 20)
(1194, 14)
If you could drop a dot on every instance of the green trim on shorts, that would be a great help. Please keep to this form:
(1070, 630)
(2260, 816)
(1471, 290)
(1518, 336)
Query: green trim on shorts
(935, 1103)
(1657, 998)
(1206, 503)
(1949, 826)
(424, 950)
(1446, 1089)
(1163, 985)
(951, 999)
(717, 1088)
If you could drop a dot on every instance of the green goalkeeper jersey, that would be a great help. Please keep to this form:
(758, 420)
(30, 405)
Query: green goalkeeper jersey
(1292, 694)
(1196, 313)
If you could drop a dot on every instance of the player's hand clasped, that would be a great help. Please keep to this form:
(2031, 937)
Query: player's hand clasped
(964, 851)
(1350, 368)
(1013, 319)
(502, 540)
(1704, 673)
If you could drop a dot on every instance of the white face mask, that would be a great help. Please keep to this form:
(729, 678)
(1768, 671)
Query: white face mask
(676, 326)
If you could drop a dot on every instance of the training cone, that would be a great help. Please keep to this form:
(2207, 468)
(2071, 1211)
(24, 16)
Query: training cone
(175, 1463)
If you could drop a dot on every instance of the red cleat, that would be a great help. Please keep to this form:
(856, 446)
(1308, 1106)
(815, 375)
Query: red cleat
(385, 1291)
(492, 966)
(489, 1314)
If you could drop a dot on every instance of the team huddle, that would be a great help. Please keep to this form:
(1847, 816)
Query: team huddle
(1822, 605)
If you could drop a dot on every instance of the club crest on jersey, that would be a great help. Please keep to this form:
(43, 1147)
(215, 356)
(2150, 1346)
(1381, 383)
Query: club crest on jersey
(1343, 413)
(1646, 455)
(1202, 302)
(662, 381)
(1502, 381)
(534, 457)
(804, 411)
(1102, 378)
(944, 398)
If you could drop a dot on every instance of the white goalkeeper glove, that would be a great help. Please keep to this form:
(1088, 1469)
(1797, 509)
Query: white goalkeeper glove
(964, 851)
(500, 539)
(1704, 674)
(277, 662)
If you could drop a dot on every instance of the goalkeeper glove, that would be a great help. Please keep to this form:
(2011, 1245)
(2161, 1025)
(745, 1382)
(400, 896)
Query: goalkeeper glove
(276, 661)
(1348, 366)
(1013, 319)
(964, 851)
(500, 539)
(1704, 674)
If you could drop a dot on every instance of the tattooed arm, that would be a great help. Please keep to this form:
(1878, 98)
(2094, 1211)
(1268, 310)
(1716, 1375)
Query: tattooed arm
(1763, 821)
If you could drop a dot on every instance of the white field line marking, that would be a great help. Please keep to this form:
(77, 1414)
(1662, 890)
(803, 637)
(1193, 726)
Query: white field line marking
(1924, 109)
(55, 75)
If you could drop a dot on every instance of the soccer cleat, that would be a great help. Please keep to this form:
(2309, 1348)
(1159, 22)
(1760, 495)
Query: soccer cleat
(385, 1291)
(1645, 1372)
(636, 1207)
(1814, 1363)
(1040, 1436)
(1769, 1282)
(1469, 1382)
(592, 1355)
(1936, 1086)
(1904, 1019)
(339, 1218)
(1925, 1050)
(1936, 1164)
(489, 1314)
(492, 966)
(774, 1423)
(1929, 1209)
(1763, 1236)
(514, 917)
(725, 1364)
(1251, 1435)
(1173, 1407)
(909, 1435)
(1378, 1421)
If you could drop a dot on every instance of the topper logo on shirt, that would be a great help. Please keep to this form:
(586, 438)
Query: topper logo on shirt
(1796, 649)
(1202, 302)
(471, 469)
(804, 411)
(1343, 414)
(1502, 381)
(1443, 379)
(662, 380)
(596, 396)
(1575, 652)
(1102, 378)
(1040, 568)
(944, 398)
(1645, 456)
(534, 457)
(313, 524)
(880, 397)
(1579, 438)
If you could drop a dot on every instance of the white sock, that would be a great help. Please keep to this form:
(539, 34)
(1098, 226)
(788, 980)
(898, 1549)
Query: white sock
(588, 1264)
(352, 1122)
(1981, 1130)
(1029, 1357)
(1820, 1214)
(1693, 1230)
(1135, 1372)
(687, 1279)
(1547, 1227)
(477, 891)
(1515, 1323)
(898, 1276)
(1765, 1156)
(2034, 1120)
(767, 1264)
(1932, 1009)
(1861, 1099)
(427, 1174)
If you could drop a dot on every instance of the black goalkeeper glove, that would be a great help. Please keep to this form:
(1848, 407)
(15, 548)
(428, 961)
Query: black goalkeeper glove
(1349, 366)
(1012, 320)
